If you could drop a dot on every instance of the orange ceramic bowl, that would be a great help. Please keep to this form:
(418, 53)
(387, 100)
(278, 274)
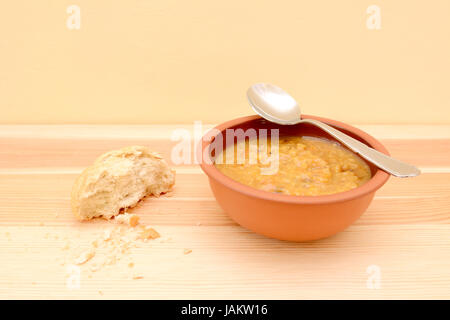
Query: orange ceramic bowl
(285, 217)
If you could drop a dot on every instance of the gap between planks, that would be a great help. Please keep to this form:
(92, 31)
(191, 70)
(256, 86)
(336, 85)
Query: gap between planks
(164, 132)
(178, 169)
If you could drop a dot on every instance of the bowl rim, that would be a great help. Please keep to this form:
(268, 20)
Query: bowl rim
(377, 180)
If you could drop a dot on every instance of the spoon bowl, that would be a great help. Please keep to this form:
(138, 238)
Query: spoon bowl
(274, 104)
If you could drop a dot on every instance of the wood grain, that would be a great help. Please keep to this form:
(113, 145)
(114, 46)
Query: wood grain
(48, 153)
(404, 232)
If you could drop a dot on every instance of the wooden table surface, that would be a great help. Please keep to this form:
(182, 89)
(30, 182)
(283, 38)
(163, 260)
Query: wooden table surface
(400, 248)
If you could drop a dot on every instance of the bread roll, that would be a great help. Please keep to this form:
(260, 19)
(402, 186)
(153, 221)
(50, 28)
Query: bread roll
(118, 180)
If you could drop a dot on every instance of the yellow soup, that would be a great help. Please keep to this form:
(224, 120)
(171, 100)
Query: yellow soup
(306, 166)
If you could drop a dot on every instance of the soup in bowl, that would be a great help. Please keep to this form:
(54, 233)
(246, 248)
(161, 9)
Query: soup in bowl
(305, 166)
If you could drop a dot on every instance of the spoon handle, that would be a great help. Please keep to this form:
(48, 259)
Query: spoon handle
(390, 165)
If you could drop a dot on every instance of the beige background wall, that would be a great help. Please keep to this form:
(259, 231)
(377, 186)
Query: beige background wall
(161, 61)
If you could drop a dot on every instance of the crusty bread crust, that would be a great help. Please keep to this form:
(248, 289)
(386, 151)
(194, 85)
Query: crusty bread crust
(118, 180)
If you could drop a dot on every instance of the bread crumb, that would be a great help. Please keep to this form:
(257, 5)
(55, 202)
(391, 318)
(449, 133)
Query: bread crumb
(111, 260)
(95, 268)
(107, 235)
(110, 247)
(66, 246)
(130, 219)
(100, 292)
(187, 251)
(85, 256)
(149, 233)
(41, 224)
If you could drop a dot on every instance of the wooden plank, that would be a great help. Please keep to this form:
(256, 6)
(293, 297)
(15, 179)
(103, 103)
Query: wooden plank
(207, 212)
(195, 185)
(32, 199)
(231, 263)
(37, 152)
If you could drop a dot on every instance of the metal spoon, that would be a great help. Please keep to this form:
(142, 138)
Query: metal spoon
(275, 105)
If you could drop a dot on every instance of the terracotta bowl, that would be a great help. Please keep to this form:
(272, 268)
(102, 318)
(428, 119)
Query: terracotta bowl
(285, 217)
